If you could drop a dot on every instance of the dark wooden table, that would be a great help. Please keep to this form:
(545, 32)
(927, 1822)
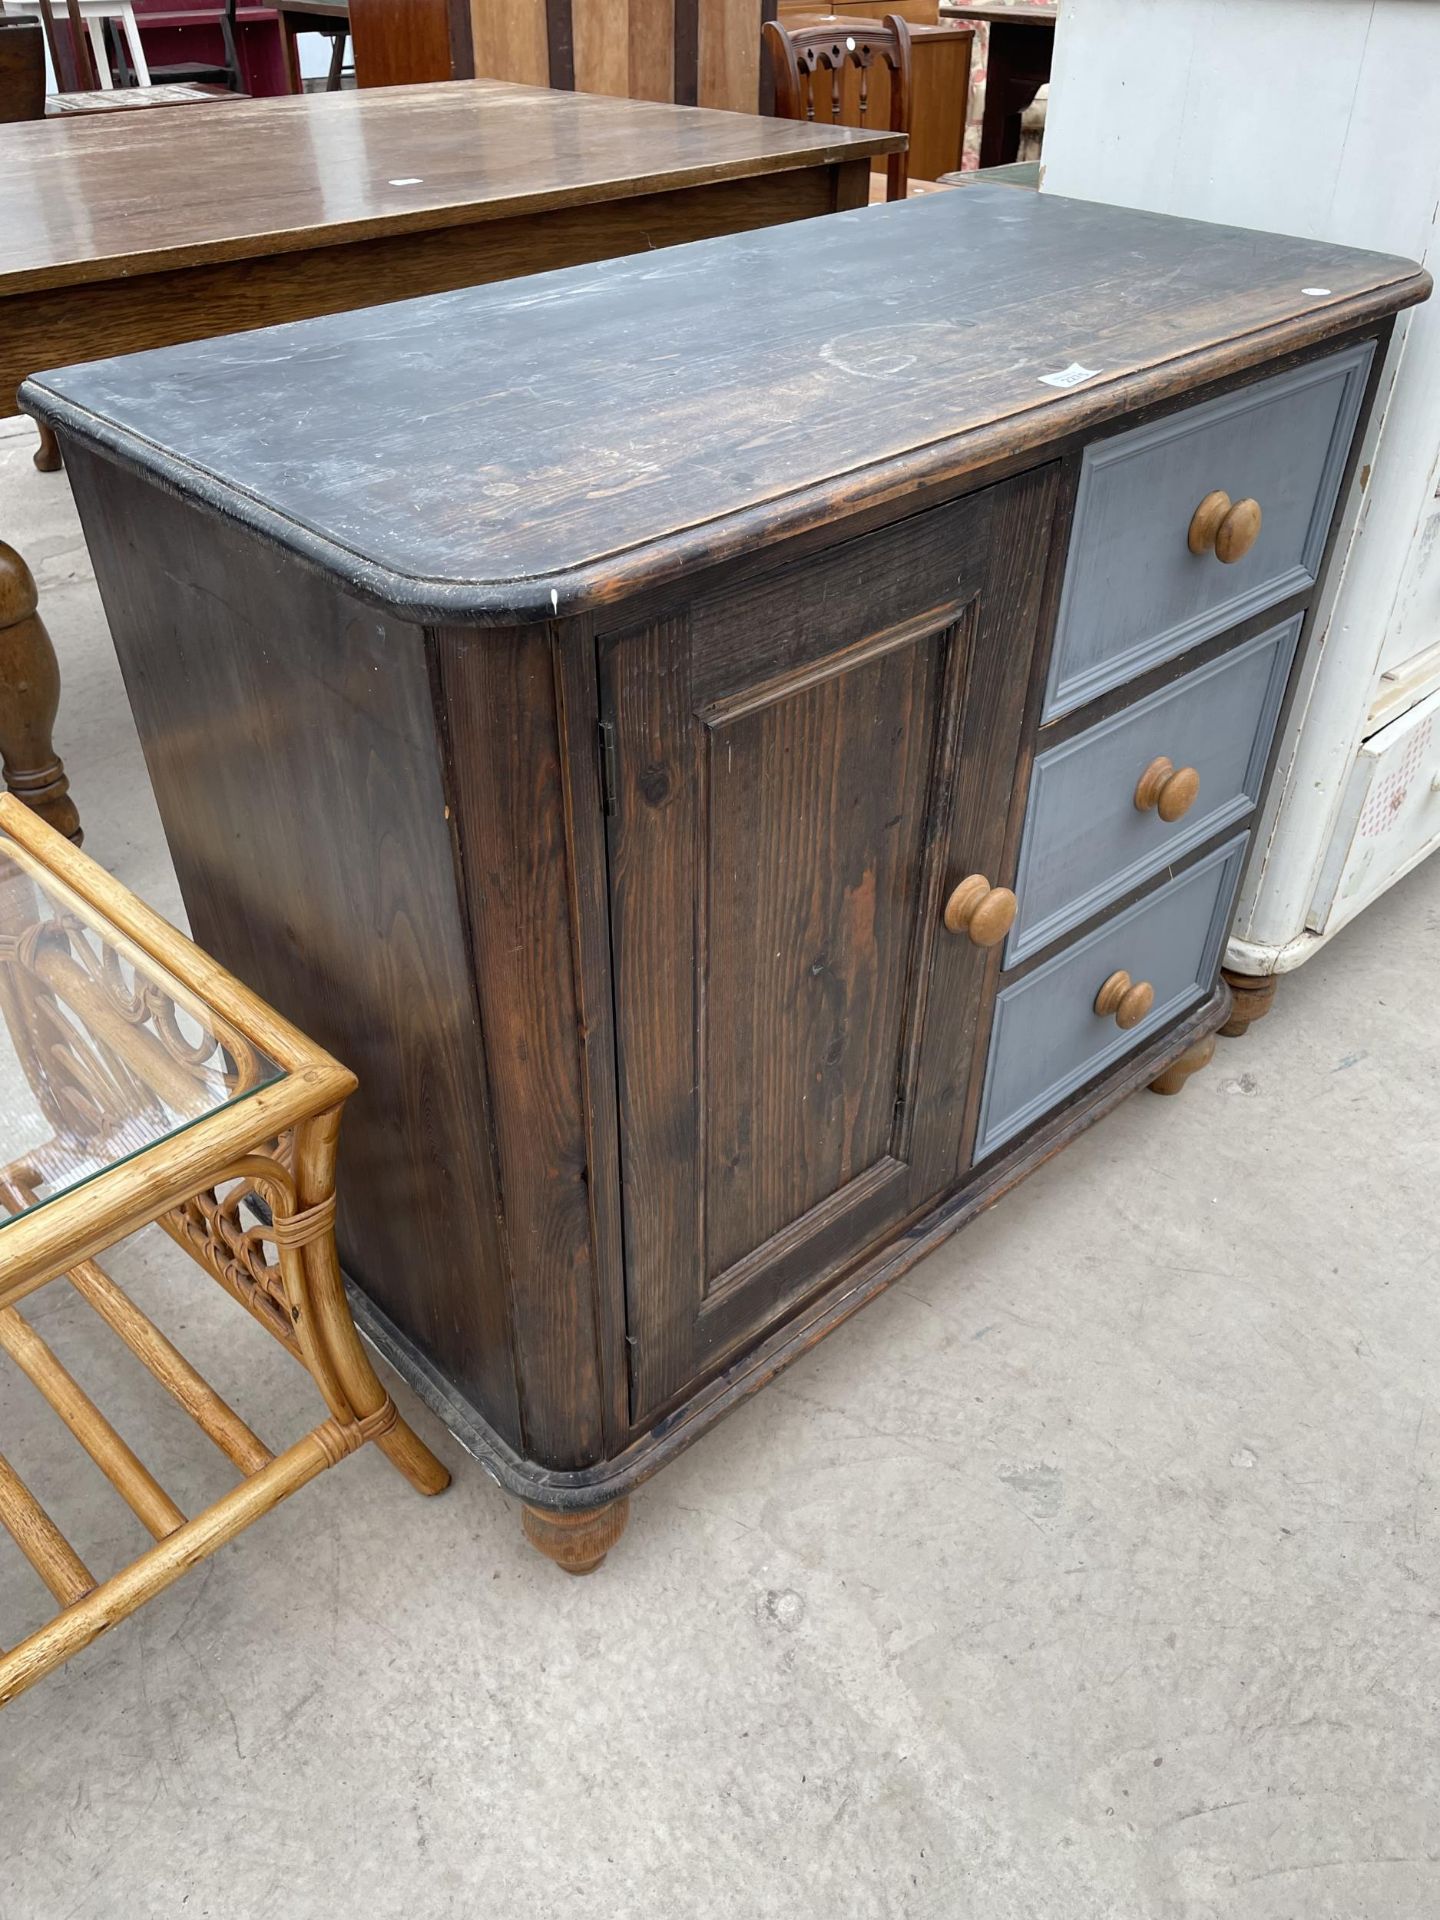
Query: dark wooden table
(330, 17)
(120, 234)
(1022, 42)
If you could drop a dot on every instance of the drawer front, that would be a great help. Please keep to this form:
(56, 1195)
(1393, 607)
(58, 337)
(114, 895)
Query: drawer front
(1134, 593)
(1086, 842)
(1047, 1039)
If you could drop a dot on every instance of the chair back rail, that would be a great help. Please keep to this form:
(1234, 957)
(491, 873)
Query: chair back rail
(824, 73)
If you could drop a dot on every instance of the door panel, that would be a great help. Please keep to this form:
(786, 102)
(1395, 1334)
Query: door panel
(803, 768)
(811, 877)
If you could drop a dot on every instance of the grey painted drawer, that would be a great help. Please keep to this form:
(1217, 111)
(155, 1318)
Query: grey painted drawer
(1085, 843)
(1134, 593)
(1047, 1040)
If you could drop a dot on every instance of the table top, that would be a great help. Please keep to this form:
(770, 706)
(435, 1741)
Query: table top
(103, 1051)
(92, 197)
(544, 445)
(1019, 15)
(322, 9)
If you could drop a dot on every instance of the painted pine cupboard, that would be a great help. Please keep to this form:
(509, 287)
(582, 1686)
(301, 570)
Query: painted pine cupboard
(745, 751)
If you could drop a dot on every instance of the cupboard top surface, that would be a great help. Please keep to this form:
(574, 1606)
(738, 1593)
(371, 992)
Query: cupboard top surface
(539, 446)
(88, 198)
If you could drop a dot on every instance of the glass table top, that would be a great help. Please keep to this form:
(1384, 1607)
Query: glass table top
(103, 1052)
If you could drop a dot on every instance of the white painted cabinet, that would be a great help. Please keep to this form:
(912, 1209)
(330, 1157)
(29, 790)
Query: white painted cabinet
(1315, 117)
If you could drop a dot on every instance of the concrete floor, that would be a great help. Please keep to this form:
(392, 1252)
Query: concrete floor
(1092, 1572)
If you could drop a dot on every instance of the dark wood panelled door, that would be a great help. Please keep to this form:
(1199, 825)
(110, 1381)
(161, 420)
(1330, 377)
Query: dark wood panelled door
(802, 769)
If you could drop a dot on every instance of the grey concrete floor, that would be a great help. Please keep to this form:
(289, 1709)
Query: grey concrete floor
(1090, 1573)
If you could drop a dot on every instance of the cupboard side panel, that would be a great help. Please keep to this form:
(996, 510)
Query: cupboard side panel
(502, 717)
(290, 738)
(657, 936)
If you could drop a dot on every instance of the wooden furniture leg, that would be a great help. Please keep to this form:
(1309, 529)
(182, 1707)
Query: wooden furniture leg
(29, 698)
(289, 44)
(1197, 1055)
(1253, 998)
(47, 454)
(578, 1542)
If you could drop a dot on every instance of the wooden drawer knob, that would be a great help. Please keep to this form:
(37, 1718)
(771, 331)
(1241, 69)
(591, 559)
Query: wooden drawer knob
(1171, 791)
(1228, 531)
(986, 913)
(1129, 1000)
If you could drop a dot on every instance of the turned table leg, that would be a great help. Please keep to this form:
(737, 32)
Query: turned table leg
(1252, 999)
(47, 454)
(578, 1542)
(1197, 1055)
(29, 697)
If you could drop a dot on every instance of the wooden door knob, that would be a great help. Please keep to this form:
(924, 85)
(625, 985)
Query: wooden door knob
(986, 913)
(1129, 1000)
(1227, 530)
(1170, 790)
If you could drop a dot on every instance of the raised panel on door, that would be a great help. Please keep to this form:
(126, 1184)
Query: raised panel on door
(803, 767)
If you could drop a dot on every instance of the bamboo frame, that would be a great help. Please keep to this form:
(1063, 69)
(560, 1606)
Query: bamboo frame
(274, 1146)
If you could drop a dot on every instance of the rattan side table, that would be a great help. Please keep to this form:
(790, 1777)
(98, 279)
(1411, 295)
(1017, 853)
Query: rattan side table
(140, 1083)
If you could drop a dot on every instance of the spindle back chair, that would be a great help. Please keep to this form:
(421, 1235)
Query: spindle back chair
(800, 56)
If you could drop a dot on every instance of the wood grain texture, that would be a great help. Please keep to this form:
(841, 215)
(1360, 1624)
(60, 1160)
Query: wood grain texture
(728, 1386)
(792, 1024)
(400, 43)
(512, 40)
(498, 700)
(194, 303)
(780, 1115)
(91, 199)
(655, 32)
(338, 900)
(728, 57)
(527, 394)
(601, 42)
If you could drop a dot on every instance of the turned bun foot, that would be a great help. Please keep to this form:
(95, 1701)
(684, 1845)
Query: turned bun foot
(29, 696)
(1197, 1055)
(578, 1542)
(47, 455)
(1252, 997)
